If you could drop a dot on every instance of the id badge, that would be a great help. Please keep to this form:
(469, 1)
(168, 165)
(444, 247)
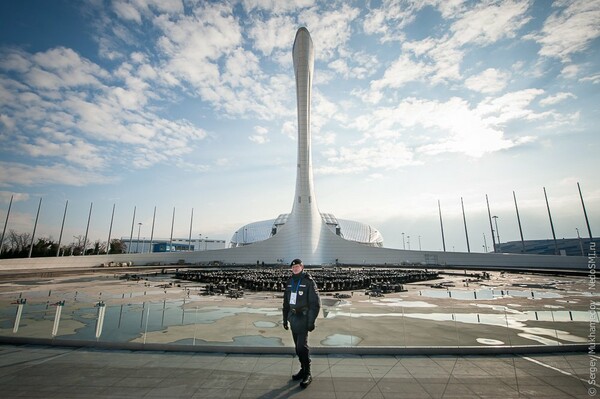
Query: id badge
(292, 298)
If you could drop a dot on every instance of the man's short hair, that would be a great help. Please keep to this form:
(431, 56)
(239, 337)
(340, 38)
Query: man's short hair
(296, 262)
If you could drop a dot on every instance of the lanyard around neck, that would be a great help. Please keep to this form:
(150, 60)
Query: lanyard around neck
(297, 285)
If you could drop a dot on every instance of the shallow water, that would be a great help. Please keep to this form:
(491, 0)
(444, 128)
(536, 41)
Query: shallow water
(127, 322)
(341, 340)
(488, 294)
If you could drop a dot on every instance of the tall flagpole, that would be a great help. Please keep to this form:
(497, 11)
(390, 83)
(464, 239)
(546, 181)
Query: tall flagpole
(62, 226)
(87, 229)
(112, 218)
(190, 237)
(131, 235)
(587, 222)
(6, 223)
(34, 227)
(491, 225)
(519, 221)
(442, 225)
(551, 224)
(152, 232)
(172, 224)
(465, 221)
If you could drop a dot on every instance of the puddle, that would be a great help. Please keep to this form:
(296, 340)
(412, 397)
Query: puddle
(488, 294)
(264, 324)
(245, 340)
(330, 301)
(498, 308)
(397, 302)
(489, 341)
(341, 340)
(516, 321)
(541, 340)
(126, 322)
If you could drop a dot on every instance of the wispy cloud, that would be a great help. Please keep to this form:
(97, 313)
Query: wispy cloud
(330, 28)
(362, 158)
(25, 175)
(570, 29)
(5, 196)
(260, 135)
(438, 59)
(489, 81)
(276, 6)
(62, 108)
(556, 98)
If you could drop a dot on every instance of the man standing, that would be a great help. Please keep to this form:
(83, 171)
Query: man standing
(301, 306)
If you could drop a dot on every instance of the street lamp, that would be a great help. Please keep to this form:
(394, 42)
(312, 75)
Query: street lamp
(419, 243)
(403, 243)
(137, 247)
(408, 242)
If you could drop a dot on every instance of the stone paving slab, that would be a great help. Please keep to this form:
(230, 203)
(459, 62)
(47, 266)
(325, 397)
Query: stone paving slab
(30, 371)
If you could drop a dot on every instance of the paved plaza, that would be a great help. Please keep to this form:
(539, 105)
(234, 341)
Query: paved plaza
(55, 372)
(519, 310)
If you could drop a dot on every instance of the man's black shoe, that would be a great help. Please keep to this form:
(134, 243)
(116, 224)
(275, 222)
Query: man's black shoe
(299, 375)
(306, 381)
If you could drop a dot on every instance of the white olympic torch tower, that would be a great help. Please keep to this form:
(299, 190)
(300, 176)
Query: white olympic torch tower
(305, 229)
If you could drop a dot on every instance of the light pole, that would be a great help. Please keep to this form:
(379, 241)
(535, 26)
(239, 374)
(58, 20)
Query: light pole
(403, 242)
(497, 232)
(137, 246)
(419, 243)
(408, 242)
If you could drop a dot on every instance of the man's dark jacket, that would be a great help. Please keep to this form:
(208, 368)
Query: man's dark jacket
(303, 314)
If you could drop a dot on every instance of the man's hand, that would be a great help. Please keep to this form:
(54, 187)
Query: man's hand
(311, 327)
(285, 325)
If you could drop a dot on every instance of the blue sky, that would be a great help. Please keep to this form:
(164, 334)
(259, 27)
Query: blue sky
(191, 104)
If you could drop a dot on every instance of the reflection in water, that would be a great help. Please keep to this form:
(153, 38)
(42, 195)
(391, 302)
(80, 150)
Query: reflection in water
(124, 323)
(488, 294)
(513, 321)
(127, 322)
(394, 302)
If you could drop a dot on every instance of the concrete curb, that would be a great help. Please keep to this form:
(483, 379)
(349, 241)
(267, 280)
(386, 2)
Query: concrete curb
(321, 350)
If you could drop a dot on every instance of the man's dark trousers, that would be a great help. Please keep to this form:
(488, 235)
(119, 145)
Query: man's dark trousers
(301, 343)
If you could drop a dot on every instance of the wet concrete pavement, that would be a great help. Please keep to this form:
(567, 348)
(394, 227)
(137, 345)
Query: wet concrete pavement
(30, 371)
